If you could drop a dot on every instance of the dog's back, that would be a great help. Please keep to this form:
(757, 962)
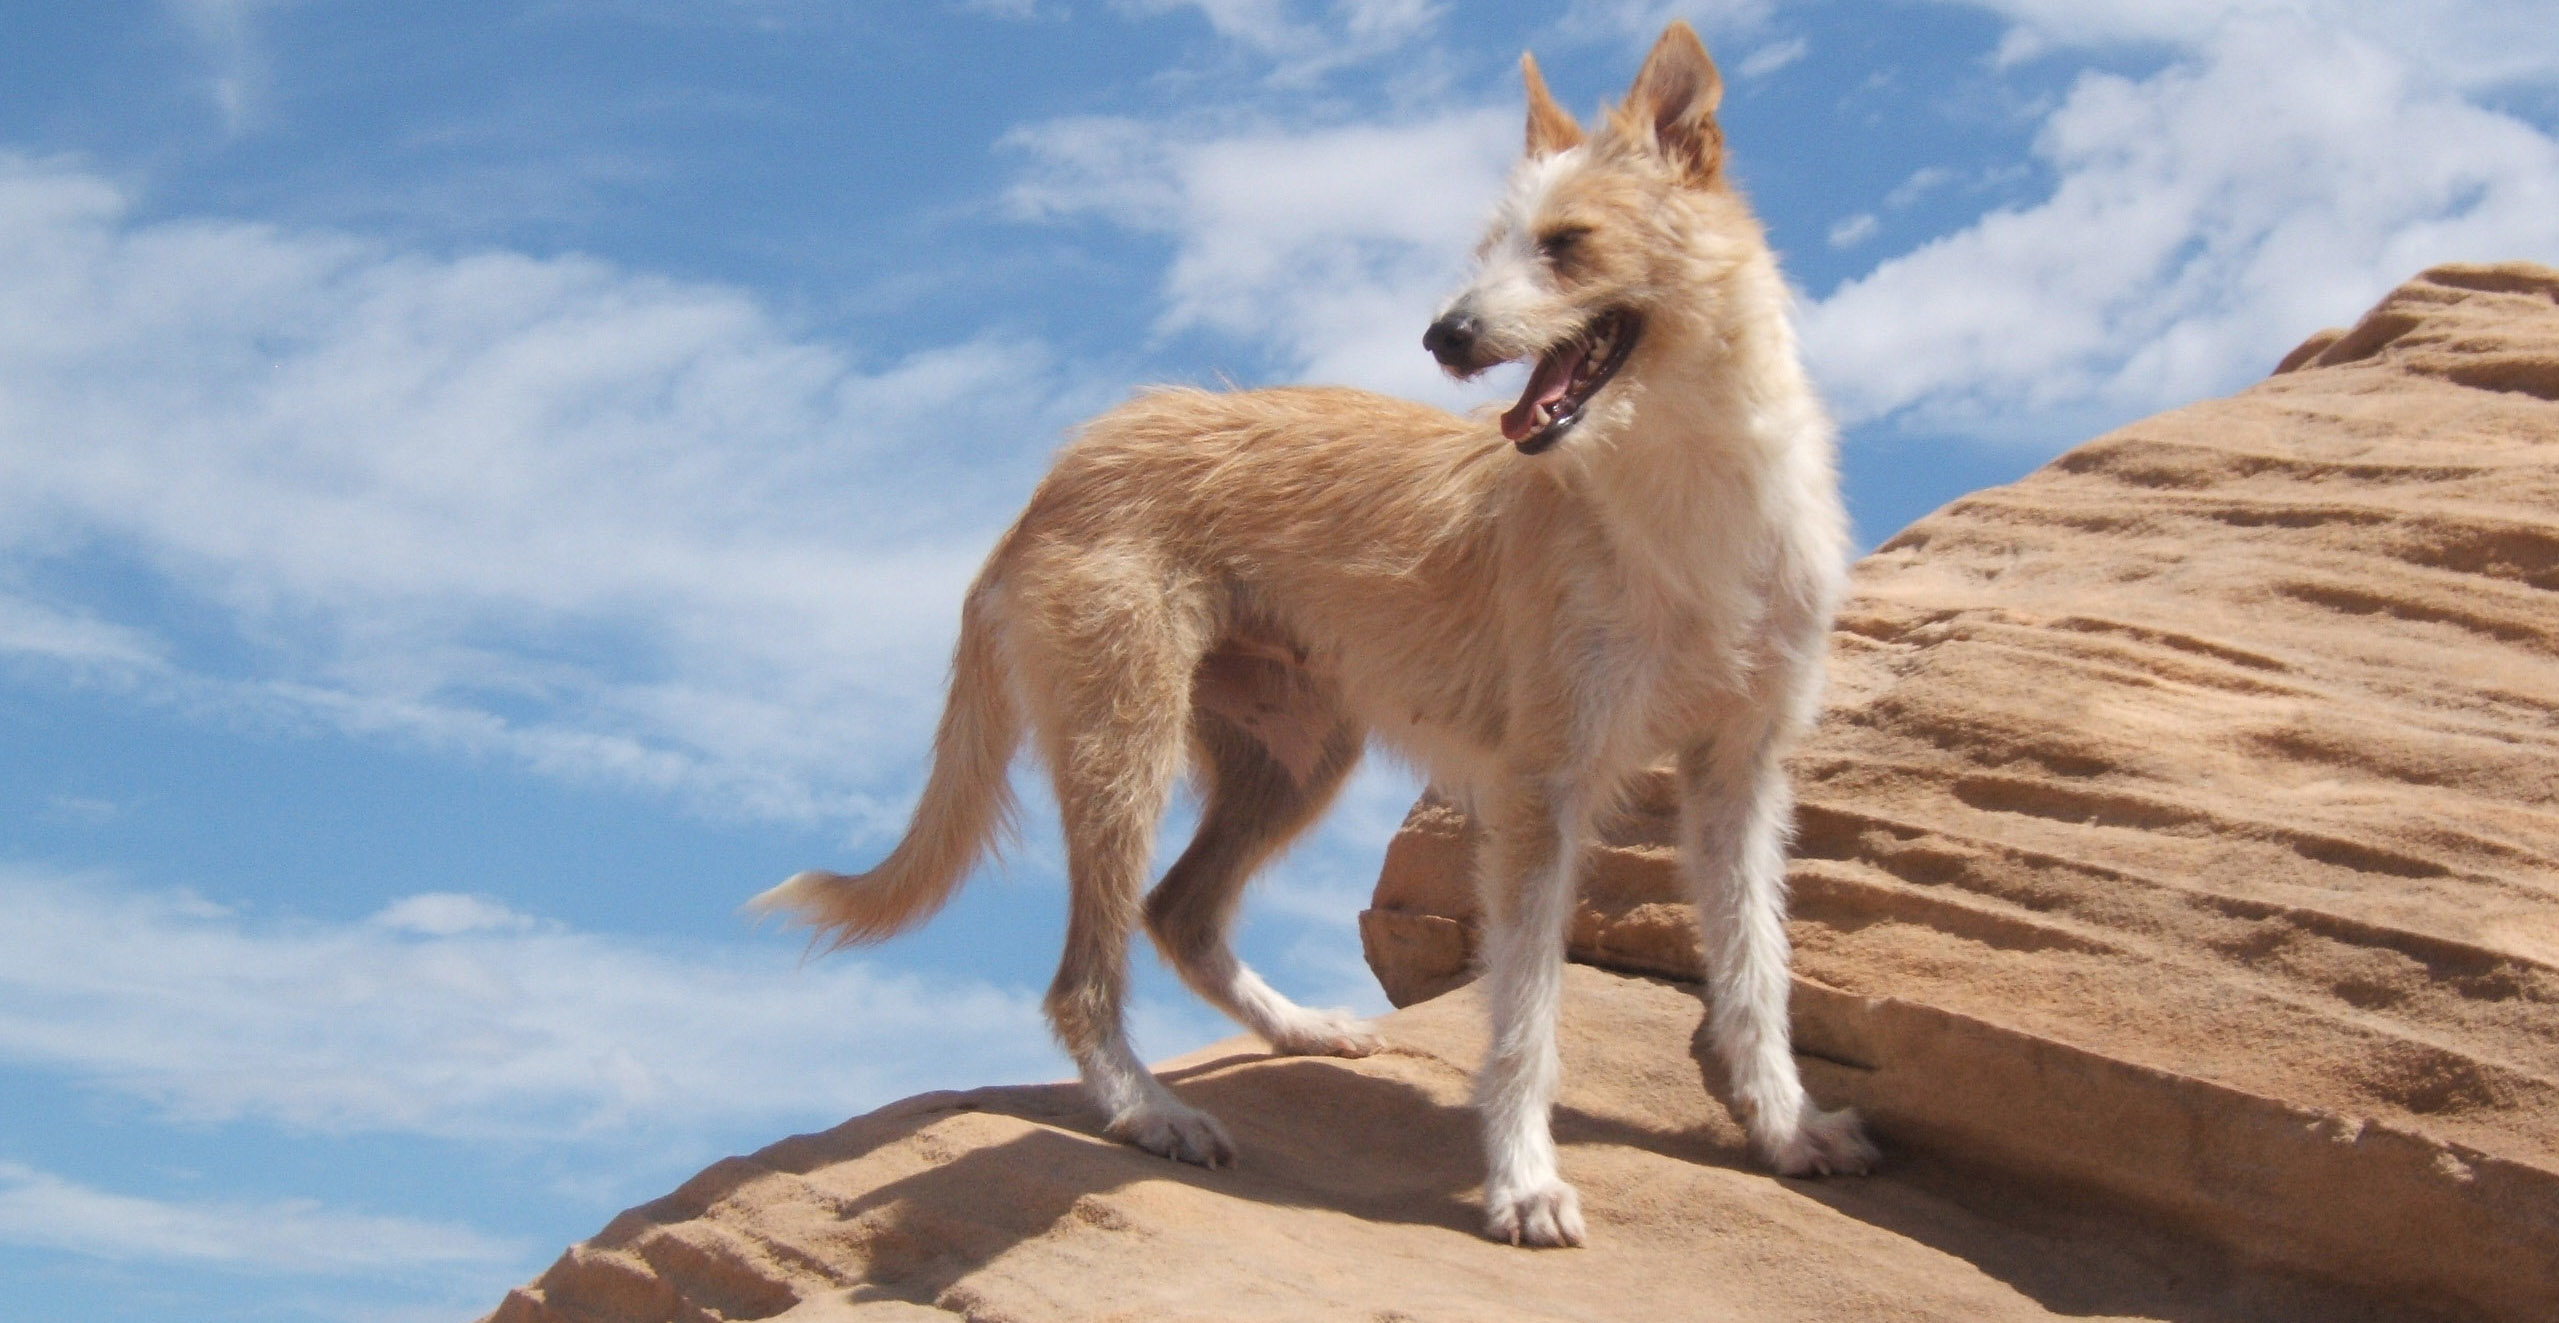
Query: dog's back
(1357, 534)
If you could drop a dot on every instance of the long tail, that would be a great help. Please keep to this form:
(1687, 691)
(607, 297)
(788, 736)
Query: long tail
(967, 799)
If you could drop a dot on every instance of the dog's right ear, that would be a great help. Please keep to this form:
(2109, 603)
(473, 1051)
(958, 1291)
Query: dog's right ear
(1673, 104)
(1551, 128)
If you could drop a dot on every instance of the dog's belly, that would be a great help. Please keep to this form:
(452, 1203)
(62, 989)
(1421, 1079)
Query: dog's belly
(1276, 691)
(1297, 699)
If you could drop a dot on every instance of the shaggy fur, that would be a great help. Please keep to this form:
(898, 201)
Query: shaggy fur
(1619, 569)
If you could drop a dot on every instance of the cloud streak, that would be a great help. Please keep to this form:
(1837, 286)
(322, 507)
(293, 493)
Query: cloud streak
(2283, 167)
(1303, 47)
(293, 1237)
(225, 32)
(613, 525)
(2468, 43)
(1326, 247)
(453, 1016)
(2277, 178)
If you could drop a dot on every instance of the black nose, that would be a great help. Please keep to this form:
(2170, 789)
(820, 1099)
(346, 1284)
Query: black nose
(1451, 340)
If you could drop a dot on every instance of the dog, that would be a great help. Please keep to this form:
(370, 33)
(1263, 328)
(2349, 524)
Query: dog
(1638, 560)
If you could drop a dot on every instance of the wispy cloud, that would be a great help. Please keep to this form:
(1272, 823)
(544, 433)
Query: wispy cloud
(73, 638)
(614, 525)
(1638, 22)
(298, 1237)
(451, 1015)
(2276, 178)
(1854, 230)
(1772, 57)
(1303, 42)
(1325, 246)
(225, 33)
(2469, 43)
(2288, 164)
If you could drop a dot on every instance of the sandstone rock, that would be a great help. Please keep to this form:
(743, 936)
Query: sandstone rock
(2185, 821)
(2175, 890)
(1356, 1198)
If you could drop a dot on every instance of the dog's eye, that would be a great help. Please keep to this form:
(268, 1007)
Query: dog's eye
(1562, 240)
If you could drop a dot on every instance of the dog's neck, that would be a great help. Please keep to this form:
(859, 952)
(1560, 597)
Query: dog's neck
(1725, 418)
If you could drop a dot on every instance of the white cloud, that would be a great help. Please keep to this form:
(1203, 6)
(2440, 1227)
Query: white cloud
(450, 914)
(1854, 230)
(611, 525)
(1641, 21)
(2290, 162)
(44, 1211)
(2468, 42)
(1329, 247)
(225, 32)
(73, 638)
(1774, 56)
(86, 810)
(452, 1016)
(2203, 220)
(1923, 181)
(1301, 46)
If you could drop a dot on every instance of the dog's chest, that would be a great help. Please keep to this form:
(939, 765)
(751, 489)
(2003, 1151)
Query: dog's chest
(1658, 655)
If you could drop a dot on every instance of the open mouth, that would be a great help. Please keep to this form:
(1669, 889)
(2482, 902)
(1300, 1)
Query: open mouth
(1566, 377)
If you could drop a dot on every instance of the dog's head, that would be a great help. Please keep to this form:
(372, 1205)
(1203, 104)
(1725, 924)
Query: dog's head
(1597, 235)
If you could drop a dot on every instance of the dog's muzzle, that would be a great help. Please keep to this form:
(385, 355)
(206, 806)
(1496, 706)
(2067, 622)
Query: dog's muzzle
(1455, 341)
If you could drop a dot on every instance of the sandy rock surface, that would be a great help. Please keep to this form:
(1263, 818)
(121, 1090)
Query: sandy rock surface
(2185, 821)
(2178, 891)
(1356, 1198)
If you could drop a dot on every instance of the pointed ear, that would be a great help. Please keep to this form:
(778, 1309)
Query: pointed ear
(1551, 128)
(1673, 104)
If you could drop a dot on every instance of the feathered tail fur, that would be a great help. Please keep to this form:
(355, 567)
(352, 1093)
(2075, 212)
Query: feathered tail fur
(967, 799)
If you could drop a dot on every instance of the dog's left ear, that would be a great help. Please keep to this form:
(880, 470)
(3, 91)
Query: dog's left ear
(1673, 102)
(1551, 128)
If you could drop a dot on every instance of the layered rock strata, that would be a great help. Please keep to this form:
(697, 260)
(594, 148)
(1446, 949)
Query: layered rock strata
(1356, 1198)
(2176, 890)
(2185, 822)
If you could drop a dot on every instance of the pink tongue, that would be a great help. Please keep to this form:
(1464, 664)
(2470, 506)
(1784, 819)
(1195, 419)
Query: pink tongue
(1547, 383)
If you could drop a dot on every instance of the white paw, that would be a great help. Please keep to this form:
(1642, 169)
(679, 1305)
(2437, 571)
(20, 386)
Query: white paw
(1548, 1215)
(1171, 1130)
(1328, 1034)
(1824, 1144)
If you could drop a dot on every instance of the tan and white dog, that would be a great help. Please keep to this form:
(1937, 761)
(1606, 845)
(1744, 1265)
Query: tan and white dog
(1636, 561)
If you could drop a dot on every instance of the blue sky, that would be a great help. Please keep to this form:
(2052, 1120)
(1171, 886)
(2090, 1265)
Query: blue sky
(484, 489)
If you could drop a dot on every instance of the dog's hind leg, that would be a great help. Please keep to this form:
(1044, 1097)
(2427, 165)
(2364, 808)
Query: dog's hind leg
(1736, 814)
(1253, 804)
(1526, 875)
(1117, 705)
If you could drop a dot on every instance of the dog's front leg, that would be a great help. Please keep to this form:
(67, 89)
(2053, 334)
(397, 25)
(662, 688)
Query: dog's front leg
(1736, 815)
(1527, 876)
